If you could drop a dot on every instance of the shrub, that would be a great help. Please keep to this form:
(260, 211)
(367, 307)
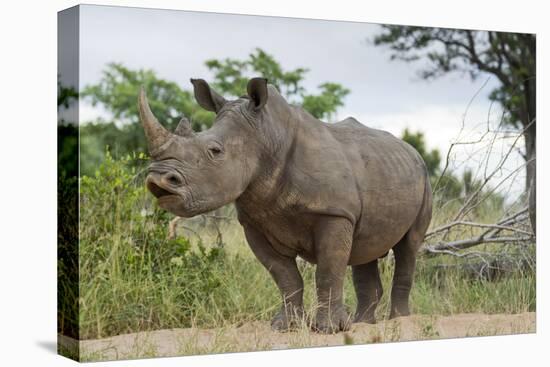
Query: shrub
(131, 276)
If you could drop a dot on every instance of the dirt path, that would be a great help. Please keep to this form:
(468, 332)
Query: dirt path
(258, 336)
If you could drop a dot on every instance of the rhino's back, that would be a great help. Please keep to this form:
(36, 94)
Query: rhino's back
(379, 152)
(351, 131)
(391, 177)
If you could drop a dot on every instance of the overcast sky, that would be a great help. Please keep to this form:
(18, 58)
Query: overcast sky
(384, 94)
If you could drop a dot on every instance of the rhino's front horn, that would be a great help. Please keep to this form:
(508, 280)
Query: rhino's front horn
(155, 133)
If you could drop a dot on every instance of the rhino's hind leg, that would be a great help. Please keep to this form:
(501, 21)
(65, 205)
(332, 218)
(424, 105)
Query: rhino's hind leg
(368, 288)
(405, 263)
(405, 257)
(286, 275)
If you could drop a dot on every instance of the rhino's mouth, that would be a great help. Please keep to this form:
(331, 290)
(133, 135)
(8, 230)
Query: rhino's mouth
(178, 201)
(159, 192)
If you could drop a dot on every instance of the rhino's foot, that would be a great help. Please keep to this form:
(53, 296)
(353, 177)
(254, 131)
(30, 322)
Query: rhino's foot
(368, 317)
(332, 321)
(399, 308)
(288, 319)
(398, 313)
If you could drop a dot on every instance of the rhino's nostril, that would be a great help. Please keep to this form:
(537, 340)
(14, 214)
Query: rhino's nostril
(174, 179)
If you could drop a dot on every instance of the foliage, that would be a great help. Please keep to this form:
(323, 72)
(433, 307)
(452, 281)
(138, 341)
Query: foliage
(118, 89)
(67, 149)
(451, 187)
(432, 158)
(67, 133)
(67, 214)
(130, 273)
(325, 104)
(510, 57)
(65, 95)
(67, 254)
(231, 77)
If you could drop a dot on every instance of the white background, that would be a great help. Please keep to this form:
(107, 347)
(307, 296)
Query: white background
(28, 182)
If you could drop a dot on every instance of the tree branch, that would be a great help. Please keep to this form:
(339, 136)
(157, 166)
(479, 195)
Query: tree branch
(464, 244)
(474, 224)
(474, 57)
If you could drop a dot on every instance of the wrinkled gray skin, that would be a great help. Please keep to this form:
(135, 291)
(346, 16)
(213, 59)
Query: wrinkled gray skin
(334, 194)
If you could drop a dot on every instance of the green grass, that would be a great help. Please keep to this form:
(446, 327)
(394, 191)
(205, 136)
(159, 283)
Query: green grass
(132, 278)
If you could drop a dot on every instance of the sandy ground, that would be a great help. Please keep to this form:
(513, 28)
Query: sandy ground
(258, 336)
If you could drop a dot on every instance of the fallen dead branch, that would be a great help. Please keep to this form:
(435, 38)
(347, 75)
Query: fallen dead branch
(480, 225)
(467, 243)
(496, 170)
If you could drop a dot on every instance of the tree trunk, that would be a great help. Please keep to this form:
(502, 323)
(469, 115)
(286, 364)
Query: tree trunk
(530, 135)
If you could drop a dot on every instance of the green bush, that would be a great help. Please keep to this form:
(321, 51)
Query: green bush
(131, 276)
(67, 255)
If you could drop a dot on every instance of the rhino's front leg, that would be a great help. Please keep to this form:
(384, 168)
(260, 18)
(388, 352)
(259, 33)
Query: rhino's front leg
(285, 272)
(333, 239)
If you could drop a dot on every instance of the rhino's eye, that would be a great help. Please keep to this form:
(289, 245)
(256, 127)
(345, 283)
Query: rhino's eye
(214, 151)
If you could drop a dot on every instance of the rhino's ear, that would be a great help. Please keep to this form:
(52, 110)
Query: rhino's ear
(257, 92)
(206, 97)
(184, 128)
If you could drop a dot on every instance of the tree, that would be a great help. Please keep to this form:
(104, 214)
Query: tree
(451, 187)
(510, 57)
(432, 158)
(118, 89)
(325, 104)
(231, 77)
(67, 133)
(66, 95)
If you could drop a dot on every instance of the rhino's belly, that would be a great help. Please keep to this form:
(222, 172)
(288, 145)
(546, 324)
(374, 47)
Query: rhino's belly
(296, 239)
(387, 216)
(371, 246)
(388, 213)
(288, 235)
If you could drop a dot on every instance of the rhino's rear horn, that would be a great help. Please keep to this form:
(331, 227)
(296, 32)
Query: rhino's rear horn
(184, 128)
(155, 133)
